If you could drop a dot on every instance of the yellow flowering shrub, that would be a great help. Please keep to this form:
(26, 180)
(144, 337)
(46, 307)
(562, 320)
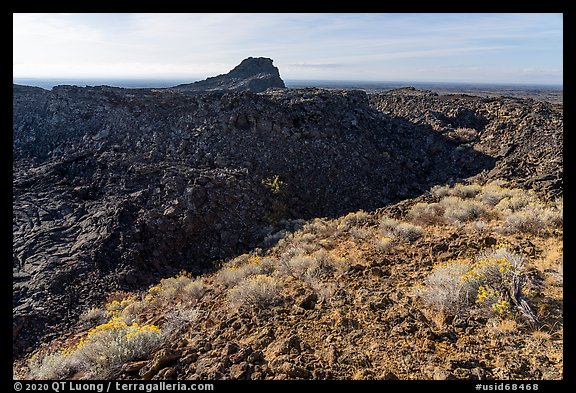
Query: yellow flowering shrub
(115, 307)
(486, 284)
(103, 349)
(494, 299)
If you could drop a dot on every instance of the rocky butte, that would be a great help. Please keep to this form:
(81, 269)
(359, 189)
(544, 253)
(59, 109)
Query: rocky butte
(252, 74)
(116, 188)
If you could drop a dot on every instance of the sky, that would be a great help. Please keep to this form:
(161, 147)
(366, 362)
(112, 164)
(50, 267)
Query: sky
(524, 48)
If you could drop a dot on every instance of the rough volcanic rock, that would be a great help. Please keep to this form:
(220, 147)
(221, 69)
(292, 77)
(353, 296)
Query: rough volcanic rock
(253, 74)
(524, 135)
(114, 188)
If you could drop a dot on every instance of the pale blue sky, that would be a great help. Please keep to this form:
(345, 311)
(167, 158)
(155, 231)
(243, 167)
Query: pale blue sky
(476, 48)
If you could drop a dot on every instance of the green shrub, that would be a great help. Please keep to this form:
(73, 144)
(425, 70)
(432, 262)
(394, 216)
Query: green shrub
(274, 184)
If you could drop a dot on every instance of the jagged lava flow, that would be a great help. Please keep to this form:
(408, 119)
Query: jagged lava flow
(116, 188)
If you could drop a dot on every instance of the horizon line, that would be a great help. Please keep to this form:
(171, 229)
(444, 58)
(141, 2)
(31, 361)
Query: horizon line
(298, 80)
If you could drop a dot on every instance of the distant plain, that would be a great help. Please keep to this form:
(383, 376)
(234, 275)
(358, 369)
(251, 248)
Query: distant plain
(549, 93)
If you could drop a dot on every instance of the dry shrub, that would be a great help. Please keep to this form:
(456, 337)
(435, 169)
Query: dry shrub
(182, 287)
(426, 213)
(101, 353)
(407, 231)
(298, 265)
(445, 291)
(383, 243)
(242, 267)
(304, 265)
(353, 219)
(517, 210)
(388, 224)
(460, 190)
(358, 233)
(533, 219)
(254, 292)
(321, 227)
(465, 190)
(323, 290)
(178, 319)
(492, 193)
(392, 228)
(93, 316)
(440, 191)
(515, 202)
(459, 210)
(489, 285)
(308, 242)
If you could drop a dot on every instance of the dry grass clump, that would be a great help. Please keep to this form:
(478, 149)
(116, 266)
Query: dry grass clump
(489, 285)
(303, 266)
(383, 243)
(492, 193)
(353, 219)
(460, 210)
(243, 267)
(393, 228)
(503, 326)
(93, 316)
(533, 218)
(508, 210)
(426, 213)
(459, 190)
(254, 292)
(181, 288)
